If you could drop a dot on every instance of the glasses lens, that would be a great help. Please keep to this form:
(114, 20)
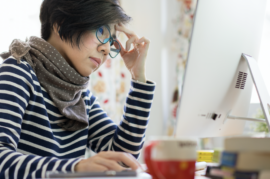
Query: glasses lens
(103, 34)
(115, 49)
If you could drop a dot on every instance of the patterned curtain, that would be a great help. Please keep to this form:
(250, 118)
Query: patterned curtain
(180, 43)
(110, 84)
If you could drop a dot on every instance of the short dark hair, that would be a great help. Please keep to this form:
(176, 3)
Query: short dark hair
(76, 17)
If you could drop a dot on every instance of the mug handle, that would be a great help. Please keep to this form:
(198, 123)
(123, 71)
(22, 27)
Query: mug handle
(148, 161)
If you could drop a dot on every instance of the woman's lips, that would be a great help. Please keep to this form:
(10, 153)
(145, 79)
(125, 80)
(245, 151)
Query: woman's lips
(97, 60)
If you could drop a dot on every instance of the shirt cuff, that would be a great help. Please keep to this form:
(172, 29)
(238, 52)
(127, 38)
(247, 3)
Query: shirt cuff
(148, 86)
(74, 164)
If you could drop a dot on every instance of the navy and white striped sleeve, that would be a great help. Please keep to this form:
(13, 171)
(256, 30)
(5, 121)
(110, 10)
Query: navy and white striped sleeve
(16, 89)
(129, 135)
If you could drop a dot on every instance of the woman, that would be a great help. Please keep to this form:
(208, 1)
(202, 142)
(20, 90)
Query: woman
(48, 116)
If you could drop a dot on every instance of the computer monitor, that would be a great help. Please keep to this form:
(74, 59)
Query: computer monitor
(217, 80)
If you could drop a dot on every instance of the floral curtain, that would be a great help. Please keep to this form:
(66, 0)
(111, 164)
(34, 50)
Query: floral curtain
(180, 44)
(110, 84)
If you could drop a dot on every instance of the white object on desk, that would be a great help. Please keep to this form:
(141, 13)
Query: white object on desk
(140, 176)
(200, 165)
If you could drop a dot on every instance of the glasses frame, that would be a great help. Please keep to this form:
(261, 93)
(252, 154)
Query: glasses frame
(111, 40)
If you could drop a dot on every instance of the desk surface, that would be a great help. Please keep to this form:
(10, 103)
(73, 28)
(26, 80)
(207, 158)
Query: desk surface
(141, 176)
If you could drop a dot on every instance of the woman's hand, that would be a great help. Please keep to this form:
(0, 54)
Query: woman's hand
(135, 58)
(108, 160)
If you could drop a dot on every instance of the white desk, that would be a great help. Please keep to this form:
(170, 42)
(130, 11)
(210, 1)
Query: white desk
(141, 176)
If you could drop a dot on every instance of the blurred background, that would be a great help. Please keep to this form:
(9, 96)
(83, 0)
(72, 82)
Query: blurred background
(168, 24)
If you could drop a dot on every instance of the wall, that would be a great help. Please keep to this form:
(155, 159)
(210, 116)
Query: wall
(147, 22)
(264, 55)
(18, 19)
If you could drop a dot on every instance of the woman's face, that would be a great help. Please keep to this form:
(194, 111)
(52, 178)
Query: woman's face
(91, 55)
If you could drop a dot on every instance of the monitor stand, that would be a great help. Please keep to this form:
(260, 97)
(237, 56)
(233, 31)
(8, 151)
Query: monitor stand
(261, 91)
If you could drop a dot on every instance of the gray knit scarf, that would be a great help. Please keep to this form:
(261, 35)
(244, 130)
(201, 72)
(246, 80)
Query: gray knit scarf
(63, 83)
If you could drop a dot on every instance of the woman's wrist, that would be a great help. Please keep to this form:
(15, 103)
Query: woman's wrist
(77, 167)
(140, 79)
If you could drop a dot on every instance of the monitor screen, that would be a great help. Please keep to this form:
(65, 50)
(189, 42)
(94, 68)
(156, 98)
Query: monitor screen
(217, 82)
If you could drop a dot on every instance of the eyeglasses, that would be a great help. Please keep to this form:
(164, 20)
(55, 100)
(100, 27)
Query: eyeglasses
(104, 35)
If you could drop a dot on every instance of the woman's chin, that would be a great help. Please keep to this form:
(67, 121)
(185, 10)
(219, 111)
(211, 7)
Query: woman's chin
(85, 73)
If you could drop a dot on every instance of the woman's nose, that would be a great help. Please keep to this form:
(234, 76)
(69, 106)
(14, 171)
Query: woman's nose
(104, 48)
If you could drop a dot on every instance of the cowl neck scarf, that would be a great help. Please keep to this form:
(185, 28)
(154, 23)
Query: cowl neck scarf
(62, 82)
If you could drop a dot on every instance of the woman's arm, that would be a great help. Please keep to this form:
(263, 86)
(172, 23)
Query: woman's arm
(16, 89)
(104, 135)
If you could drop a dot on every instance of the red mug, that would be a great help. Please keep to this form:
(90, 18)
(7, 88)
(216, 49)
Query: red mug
(171, 158)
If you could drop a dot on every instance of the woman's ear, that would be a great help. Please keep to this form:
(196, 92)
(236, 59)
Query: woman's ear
(56, 29)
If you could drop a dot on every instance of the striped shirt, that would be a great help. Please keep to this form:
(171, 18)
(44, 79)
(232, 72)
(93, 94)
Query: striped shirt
(31, 142)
